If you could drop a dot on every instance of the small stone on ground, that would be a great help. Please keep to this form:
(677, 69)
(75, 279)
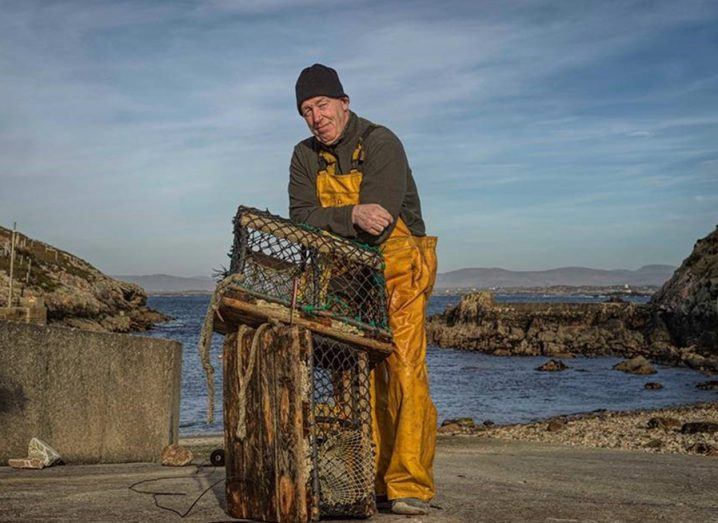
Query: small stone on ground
(26, 463)
(176, 456)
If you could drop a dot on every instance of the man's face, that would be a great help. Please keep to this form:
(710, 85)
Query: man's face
(326, 117)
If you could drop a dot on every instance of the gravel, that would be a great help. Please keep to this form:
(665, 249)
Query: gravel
(620, 430)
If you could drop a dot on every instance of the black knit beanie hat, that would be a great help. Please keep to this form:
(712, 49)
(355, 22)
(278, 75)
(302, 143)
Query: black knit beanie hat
(318, 80)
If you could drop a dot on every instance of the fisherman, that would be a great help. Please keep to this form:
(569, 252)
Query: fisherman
(352, 178)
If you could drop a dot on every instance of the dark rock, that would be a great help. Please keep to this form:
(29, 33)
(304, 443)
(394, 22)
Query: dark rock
(663, 423)
(654, 444)
(699, 427)
(708, 385)
(461, 422)
(553, 366)
(489, 423)
(176, 456)
(637, 365)
(686, 303)
(693, 360)
(703, 448)
(652, 385)
(449, 428)
(556, 425)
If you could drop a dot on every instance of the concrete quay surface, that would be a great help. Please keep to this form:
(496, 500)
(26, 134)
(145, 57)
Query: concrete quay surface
(478, 480)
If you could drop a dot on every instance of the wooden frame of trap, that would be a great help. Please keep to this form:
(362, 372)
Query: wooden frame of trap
(297, 412)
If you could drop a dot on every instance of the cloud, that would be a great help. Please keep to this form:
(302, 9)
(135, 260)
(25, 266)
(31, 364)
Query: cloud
(136, 120)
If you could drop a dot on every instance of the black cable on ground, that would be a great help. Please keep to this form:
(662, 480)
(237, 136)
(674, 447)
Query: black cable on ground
(155, 495)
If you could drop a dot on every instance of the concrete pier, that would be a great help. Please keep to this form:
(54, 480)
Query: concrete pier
(94, 397)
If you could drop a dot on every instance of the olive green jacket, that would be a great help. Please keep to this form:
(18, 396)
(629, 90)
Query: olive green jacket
(387, 181)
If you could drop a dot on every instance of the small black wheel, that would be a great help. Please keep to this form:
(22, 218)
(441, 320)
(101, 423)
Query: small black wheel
(217, 458)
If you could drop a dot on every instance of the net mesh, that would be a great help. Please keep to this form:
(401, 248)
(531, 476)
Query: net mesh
(344, 450)
(316, 272)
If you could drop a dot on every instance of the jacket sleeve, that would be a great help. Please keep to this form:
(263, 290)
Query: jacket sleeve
(304, 206)
(385, 178)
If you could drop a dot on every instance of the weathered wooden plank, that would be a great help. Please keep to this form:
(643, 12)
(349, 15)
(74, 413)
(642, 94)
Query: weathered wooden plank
(266, 399)
(237, 311)
(268, 472)
(235, 483)
(323, 317)
(306, 352)
(291, 455)
(249, 461)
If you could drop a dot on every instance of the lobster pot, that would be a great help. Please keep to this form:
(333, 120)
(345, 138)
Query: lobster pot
(298, 440)
(315, 273)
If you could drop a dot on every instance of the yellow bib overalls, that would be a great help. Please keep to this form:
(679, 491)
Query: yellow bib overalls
(403, 415)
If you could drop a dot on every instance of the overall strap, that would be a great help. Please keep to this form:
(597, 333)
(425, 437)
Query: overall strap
(359, 154)
(324, 157)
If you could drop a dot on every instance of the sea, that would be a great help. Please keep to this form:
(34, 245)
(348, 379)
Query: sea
(502, 389)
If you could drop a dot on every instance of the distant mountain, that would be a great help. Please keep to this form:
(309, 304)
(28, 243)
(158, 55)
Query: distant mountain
(655, 275)
(166, 283)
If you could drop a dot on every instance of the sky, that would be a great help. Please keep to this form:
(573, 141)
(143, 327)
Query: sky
(540, 134)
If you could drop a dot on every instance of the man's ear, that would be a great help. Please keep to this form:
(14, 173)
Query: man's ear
(345, 103)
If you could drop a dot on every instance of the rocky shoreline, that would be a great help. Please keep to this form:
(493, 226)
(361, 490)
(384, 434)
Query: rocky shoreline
(679, 326)
(562, 330)
(689, 429)
(75, 293)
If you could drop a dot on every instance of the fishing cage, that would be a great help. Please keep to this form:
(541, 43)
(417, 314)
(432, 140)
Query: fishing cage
(344, 458)
(304, 318)
(309, 270)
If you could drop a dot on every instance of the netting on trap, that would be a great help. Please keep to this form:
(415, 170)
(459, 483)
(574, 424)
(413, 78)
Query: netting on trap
(305, 268)
(344, 462)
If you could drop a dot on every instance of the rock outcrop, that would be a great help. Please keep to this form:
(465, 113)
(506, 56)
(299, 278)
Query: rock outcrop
(637, 365)
(75, 293)
(686, 307)
(533, 329)
(678, 327)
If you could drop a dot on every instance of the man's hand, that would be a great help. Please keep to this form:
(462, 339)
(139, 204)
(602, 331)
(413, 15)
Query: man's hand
(371, 217)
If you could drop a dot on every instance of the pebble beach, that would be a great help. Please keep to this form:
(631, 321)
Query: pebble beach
(691, 429)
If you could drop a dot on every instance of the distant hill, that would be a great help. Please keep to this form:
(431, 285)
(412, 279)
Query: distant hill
(655, 275)
(154, 283)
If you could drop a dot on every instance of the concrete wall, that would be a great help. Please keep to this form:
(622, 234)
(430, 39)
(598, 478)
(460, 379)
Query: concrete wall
(94, 397)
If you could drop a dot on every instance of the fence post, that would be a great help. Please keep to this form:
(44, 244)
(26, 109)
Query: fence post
(12, 262)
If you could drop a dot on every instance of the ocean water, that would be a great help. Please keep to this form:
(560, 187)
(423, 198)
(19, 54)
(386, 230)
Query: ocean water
(463, 383)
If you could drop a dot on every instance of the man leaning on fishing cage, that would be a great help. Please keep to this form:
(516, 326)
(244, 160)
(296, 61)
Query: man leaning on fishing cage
(352, 178)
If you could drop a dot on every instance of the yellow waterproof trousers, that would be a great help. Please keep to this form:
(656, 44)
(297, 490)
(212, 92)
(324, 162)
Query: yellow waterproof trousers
(403, 415)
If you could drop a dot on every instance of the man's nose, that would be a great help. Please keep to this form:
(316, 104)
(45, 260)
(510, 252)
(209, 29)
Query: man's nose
(316, 114)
